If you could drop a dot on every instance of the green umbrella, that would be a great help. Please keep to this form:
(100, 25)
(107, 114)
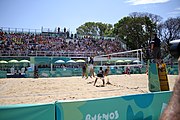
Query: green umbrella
(136, 61)
(3, 61)
(60, 61)
(80, 61)
(24, 61)
(71, 61)
(119, 61)
(13, 61)
(127, 61)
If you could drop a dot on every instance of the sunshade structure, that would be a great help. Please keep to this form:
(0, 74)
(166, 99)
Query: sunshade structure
(3, 62)
(13, 61)
(71, 61)
(128, 61)
(80, 61)
(136, 61)
(24, 61)
(60, 61)
(120, 61)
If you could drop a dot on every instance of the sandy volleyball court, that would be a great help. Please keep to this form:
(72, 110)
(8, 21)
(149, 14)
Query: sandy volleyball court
(44, 90)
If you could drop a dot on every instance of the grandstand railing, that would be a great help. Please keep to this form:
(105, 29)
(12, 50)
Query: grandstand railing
(20, 30)
(46, 53)
(71, 54)
(27, 30)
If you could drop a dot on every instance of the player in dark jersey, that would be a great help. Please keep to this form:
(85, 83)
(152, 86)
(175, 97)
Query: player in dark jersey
(100, 75)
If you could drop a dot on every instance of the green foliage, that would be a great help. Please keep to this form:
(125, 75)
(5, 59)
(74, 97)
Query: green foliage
(95, 29)
(135, 31)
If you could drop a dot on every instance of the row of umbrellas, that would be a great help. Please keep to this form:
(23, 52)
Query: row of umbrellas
(15, 61)
(27, 61)
(71, 61)
(127, 61)
(82, 61)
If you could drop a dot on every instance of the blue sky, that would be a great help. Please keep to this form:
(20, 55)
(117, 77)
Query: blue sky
(35, 14)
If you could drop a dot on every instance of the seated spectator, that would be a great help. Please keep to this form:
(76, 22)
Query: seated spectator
(27, 44)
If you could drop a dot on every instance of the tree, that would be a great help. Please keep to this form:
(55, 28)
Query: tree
(109, 31)
(95, 29)
(155, 20)
(135, 30)
(170, 29)
(88, 28)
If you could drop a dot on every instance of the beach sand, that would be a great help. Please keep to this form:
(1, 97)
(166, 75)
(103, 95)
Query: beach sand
(45, 90)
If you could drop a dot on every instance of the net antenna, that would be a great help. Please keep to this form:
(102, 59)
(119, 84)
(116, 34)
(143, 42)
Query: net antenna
(131, 55)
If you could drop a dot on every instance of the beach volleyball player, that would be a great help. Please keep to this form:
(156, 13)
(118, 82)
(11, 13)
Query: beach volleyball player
(106, 72)
(101, 76)
(91, 67)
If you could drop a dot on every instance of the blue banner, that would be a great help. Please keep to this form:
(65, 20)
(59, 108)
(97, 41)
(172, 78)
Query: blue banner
(147, 106)
(28, 112)
(142, 106)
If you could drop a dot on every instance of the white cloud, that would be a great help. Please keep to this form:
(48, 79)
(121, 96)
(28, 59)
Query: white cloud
(140, 2)
(177, 8)
(176, 12)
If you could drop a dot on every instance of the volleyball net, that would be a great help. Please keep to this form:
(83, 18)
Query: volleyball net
(118, 62)
(130, 58)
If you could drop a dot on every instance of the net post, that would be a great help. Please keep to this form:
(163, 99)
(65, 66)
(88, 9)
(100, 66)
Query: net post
(179, 65)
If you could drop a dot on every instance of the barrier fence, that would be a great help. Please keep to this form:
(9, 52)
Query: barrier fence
(68, 72)
(47, 66)
(147, 106)
(29, 53)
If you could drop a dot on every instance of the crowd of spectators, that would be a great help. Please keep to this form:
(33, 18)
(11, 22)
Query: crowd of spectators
(27, 44)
